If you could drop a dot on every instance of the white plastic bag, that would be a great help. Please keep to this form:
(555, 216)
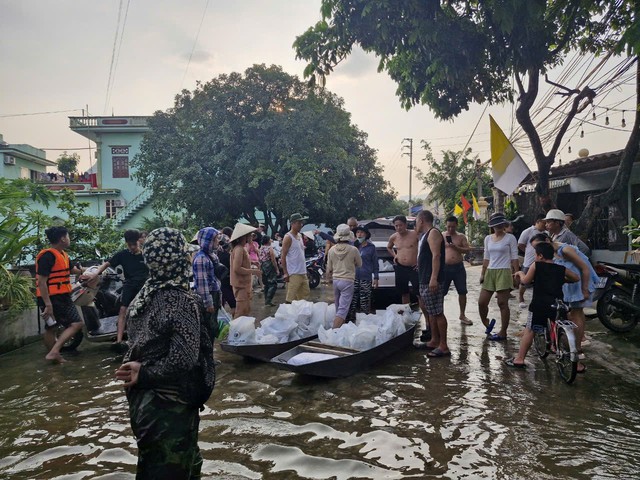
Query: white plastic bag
(242, 331)
(365, 337)
(330, 316)
(278, 327)
(318, 314)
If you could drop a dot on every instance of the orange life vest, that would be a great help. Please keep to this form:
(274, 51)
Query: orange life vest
(59, 280)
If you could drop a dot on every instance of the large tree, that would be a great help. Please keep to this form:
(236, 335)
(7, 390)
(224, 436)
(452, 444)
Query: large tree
(260, 141)
(448, 54)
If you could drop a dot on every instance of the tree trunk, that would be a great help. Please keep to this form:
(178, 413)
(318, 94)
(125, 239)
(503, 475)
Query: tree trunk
(596, 203)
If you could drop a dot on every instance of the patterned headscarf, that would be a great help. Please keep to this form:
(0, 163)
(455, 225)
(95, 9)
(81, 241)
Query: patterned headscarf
(166, 255)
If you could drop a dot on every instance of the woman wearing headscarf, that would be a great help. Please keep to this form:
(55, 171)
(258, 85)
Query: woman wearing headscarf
(343, 260)
(168, 371)
(241, 270)
(205, 282)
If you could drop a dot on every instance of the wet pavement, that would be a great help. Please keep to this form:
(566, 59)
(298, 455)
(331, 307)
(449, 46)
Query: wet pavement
(467, 416)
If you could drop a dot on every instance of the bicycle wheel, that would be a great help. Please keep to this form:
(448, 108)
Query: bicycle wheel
(566, 367)
(541, 344)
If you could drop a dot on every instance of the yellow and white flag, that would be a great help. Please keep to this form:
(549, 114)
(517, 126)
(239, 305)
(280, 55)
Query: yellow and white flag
(506, 164)
(476, 208)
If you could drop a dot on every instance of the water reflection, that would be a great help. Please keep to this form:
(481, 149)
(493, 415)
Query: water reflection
(467, 416)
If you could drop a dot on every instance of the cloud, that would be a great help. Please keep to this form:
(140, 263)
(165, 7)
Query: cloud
(199, 56)
(357, 65)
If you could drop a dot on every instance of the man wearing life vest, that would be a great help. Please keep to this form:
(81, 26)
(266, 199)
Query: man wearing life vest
(53, 289)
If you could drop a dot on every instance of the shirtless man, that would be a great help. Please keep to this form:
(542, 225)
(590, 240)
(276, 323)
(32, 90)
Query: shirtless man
(456, 245)
(403, 246)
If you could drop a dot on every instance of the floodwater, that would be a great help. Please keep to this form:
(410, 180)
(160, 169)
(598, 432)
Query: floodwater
(467, 416)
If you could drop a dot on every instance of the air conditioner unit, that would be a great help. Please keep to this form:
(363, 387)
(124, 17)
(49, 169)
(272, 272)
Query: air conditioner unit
(9, 160)
(119, 202)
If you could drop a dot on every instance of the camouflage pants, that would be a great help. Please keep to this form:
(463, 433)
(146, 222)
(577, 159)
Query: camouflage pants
(167, 437)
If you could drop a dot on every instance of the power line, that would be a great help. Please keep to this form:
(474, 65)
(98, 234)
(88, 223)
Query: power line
(195, 42)
(39, 113)
(115, 67)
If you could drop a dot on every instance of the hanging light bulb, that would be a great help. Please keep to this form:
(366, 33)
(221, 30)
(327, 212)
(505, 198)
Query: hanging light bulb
(581, 132)
(594, 114)
(606, 119)
(624, 123)
(569, 149)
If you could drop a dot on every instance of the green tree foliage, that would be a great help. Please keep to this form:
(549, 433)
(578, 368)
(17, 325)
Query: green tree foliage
(262, 141)
(68, 164)
(450, 54)
(452, 176)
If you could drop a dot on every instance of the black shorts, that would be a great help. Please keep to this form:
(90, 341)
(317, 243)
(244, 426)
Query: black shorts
(458, 275)
(129, 292)
(404, 276)
(64, 310)
(538, 318)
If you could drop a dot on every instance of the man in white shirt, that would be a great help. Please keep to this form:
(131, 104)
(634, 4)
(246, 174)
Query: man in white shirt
(524, 245)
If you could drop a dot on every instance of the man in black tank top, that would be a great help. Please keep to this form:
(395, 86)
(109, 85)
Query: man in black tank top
(431, 279)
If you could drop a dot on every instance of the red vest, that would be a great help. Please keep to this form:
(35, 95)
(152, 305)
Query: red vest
(59, 280)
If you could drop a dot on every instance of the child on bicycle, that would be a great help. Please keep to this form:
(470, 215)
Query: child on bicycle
(547, 278)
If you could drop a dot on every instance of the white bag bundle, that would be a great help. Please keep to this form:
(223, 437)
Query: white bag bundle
(266, 339)
(303, 310)
(278, 327)
(365, 337)
(328, 336)
(318, 314)
(345, 333)
(330, 316)
(242, 330)
(285, 310)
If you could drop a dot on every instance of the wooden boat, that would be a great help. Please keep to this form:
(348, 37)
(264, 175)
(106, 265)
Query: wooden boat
(263, 352)
(349, 361)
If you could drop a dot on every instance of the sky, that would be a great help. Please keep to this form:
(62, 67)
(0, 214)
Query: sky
(66, 55)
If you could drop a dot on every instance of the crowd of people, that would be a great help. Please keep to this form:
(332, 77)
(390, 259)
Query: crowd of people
(168, 369)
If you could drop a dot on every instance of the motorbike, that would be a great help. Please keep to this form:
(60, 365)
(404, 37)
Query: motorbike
(99, 306)
(618, 296)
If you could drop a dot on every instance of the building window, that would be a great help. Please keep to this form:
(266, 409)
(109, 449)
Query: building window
(120, 167)
(112, 207)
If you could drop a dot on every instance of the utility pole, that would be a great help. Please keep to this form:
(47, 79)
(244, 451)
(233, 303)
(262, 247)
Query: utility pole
(479, 177)
(409, 145)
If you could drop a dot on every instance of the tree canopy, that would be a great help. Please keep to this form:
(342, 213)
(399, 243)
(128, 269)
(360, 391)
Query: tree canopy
(449, 54)
(68, 164)
(260, 141)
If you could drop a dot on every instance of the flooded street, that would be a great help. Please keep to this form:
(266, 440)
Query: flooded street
(467, 416)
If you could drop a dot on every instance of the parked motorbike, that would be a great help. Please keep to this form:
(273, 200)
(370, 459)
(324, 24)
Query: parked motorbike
(618, 296)
(314, 270)
(99, 307)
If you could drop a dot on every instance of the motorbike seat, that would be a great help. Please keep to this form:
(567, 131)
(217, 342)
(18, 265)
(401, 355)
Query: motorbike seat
(630, 267)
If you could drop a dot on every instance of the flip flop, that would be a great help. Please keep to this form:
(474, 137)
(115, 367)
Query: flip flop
(584, 369)
(494, 337)
(437, 353)
(492, 324)
(511, 363)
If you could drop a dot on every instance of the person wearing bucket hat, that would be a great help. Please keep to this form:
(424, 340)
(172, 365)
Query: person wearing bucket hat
(342, 262)
(363, 285)
(294, 267)
(241, 270)
(498, 268)
(560, 233)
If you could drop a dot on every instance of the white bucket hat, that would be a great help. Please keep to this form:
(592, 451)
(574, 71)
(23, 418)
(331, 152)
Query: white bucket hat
(344, 233)
(240, 230)
(555, 214)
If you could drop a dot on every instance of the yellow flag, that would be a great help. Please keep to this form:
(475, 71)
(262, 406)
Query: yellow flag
(476, 208)
(507, 165)
(457, 210)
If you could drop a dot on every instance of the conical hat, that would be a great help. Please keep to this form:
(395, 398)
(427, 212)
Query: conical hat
(309, 234)
(240, 230)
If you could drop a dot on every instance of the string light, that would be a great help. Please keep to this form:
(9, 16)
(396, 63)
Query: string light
(569, 149)
(624, 123)
(581, 132)
(594, 114)
(606, 120)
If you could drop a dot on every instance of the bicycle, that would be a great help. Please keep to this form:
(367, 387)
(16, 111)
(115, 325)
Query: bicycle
(559, 335)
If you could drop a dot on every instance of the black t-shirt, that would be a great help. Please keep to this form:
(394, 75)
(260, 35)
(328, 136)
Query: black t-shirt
(425, 260)
(225, 259)
(45, 264)
(133, 266)
(547, 286)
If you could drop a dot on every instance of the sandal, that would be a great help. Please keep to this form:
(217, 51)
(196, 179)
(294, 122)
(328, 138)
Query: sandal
(437, 353)
(494, 337)
(511, 363)
(489, 329)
